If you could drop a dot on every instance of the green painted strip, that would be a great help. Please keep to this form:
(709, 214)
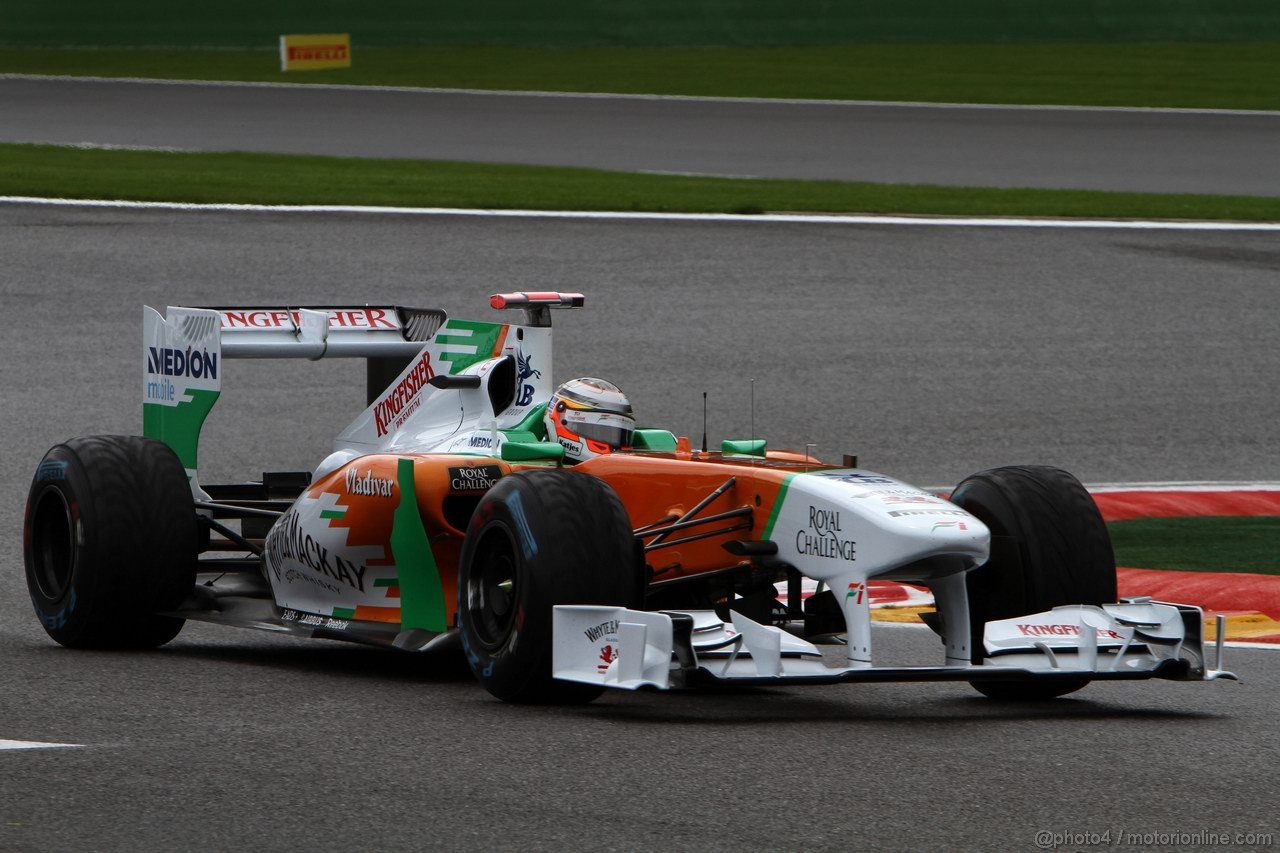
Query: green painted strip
(454, 340)
(179, 426)
(476, 327)
(744, 446)
(537, 451)
(654, 439)
(332, 513)
(421, 593)
(532, 422)
(483, 337)
(344, 612)
(777, 507)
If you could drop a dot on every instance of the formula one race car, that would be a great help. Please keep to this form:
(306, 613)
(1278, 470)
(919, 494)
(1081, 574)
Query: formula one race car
(447, 513)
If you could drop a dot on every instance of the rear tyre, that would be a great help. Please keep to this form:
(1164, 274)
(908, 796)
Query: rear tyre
(110, 540)
(1050, 547)
(538, 539)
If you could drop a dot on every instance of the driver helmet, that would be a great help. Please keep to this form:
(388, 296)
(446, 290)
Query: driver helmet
(589, 417)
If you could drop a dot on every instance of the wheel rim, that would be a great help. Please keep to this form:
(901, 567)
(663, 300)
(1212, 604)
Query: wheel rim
(53, 544)
(493, 587)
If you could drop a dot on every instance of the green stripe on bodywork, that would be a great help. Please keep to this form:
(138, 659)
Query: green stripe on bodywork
(536, 451)
(332, 513)
(654, 439)
(777, 506)
(532, 423)
(179, 426)
(421, 594)
(484, 337)
(744, 447)
(344, 613)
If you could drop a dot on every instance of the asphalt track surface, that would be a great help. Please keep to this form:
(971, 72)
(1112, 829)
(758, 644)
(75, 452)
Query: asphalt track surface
(931, 351)
(1130, 150)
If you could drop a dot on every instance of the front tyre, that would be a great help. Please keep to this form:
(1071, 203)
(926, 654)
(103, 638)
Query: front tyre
(1049, 547)
(538, 539)
(109, 542)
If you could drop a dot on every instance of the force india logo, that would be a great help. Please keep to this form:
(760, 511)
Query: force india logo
(401, 401)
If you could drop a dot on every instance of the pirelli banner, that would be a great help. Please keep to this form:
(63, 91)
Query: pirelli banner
(315, 52)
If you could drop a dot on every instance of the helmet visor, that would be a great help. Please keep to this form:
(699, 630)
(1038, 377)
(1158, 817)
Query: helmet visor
(614, 436)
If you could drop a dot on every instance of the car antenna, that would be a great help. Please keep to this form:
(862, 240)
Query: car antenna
(704, 421)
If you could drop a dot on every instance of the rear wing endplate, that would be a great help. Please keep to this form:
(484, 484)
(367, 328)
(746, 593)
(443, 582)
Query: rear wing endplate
(183, 352)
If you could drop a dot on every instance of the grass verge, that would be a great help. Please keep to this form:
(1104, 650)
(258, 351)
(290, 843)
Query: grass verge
(1216, 75)
(68, 172)
(1213, 544)
(634, 23)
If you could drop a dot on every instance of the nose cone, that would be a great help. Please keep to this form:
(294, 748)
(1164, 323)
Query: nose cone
(832, 523)
(958, 533)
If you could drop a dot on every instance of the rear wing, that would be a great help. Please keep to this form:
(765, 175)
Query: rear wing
(184, 351)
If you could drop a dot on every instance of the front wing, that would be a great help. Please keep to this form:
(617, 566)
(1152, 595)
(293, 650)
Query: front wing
(631, 649)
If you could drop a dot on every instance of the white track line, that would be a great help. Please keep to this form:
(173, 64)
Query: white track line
(1167, 486)
(1184, 487)
(792, 218)
(34, 744)
(521, 93)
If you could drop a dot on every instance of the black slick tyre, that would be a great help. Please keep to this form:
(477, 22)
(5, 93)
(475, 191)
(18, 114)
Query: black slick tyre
(537, 539)
(1049, 547)
(110, 542)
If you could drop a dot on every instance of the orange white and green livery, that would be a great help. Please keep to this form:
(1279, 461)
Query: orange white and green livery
(449, 513)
